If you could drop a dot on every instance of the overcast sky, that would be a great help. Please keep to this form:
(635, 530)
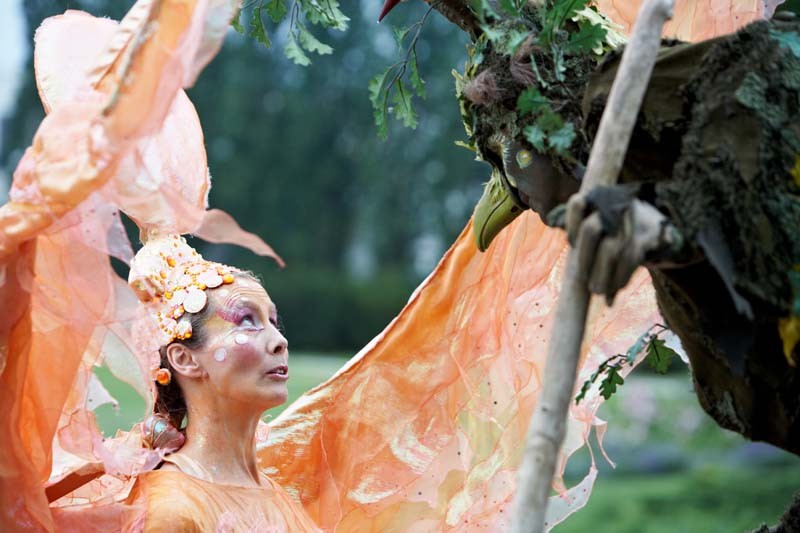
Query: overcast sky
(15, 50)
(12, 60)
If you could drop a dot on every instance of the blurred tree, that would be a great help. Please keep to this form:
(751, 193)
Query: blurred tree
(295, 157)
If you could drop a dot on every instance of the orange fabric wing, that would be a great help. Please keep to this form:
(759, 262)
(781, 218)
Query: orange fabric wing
(58, 230)
(424, 429)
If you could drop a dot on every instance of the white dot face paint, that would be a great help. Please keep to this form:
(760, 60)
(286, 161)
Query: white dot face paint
(240, 338)
(220, 355)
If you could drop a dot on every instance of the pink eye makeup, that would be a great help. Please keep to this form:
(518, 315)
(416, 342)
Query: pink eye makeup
(239, 315)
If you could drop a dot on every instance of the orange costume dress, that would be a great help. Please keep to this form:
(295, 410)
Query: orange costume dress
(422, 430)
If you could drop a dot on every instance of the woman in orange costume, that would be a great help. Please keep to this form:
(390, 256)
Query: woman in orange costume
(419, 431)
(222, 363)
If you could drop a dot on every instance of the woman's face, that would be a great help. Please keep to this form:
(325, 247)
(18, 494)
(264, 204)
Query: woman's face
(244, 353)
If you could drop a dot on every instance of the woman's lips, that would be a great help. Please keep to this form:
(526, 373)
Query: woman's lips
(279, 373)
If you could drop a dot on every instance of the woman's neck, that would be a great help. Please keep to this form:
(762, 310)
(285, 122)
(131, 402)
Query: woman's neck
(224, 444)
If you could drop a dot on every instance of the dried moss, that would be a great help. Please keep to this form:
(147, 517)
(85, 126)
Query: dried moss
(716, 140)
(734, 172)
(561, 80)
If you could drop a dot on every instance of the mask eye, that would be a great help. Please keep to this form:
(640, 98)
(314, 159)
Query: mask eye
(524, 158)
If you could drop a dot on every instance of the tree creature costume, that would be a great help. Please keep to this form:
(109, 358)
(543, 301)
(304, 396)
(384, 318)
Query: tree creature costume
(421, 430)
(715, 151)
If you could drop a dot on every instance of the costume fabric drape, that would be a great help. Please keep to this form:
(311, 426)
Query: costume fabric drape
(422, 431)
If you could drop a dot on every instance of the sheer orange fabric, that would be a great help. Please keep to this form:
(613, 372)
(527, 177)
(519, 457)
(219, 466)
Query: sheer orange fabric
(695, 20)
(421, 431)
(424, 429)
(179, 502)
(98, 149)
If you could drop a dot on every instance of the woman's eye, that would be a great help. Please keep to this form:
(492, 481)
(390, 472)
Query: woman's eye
(247, 320)
(276, 321)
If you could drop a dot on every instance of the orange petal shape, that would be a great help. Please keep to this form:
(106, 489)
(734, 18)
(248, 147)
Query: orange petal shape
(219, 227)
(694, 20)
(163, 182)
(59, 292)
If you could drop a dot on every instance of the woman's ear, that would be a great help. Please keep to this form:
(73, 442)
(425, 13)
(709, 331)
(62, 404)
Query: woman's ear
(183, 361)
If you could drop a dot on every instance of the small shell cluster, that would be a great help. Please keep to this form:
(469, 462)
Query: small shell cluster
(171, 278)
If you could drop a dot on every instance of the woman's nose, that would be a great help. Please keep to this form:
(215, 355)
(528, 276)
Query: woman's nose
(278, 345)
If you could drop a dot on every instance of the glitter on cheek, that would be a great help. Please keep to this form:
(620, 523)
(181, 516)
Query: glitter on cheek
(240, 338)
(220, 355)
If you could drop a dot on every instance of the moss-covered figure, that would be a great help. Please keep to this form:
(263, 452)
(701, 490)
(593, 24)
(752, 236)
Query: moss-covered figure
(711, 181)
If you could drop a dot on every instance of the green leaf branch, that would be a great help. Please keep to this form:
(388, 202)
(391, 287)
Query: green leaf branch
(299, 41)
(658, 355)
(399, 83)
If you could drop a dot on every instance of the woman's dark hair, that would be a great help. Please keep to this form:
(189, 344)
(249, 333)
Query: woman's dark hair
(169, 400)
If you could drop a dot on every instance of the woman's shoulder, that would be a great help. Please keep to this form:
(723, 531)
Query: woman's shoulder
(176, 501)
(170, 500)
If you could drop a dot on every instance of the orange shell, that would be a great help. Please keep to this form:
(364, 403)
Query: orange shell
(163, 377)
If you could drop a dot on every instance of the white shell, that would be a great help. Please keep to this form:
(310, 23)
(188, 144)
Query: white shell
(168, 324)
(185, 280)
(184, 327)
(240, 338)
(220, 354)
(196, 269)
(178, 297)
(195, 300)
(210, 279)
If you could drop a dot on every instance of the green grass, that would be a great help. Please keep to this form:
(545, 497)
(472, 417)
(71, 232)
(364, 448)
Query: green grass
(712, 500)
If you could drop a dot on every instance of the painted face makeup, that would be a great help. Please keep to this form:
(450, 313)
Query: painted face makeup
(236, 314)
(247, 356)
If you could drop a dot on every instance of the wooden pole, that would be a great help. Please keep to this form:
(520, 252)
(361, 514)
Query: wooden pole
(546, 432)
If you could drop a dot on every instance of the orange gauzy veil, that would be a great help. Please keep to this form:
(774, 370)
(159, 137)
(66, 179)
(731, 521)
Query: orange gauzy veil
(423, 430)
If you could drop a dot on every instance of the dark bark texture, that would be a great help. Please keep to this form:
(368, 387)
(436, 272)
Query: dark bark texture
(717, 140)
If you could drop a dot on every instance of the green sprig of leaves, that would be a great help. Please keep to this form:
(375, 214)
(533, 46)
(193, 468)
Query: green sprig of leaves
(588, 38)
(531, 100)
(399, 83)
(300, 41)
(555, 15)
(257, 29)
(609, 371)
(549, 131)
(659, 357)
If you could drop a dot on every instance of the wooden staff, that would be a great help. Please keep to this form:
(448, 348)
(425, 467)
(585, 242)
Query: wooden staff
(546, 432)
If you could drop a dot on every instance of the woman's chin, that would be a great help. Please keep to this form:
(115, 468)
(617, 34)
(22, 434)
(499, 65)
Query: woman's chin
(273, 397)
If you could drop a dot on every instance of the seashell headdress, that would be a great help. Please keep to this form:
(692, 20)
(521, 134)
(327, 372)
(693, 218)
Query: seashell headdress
(171, 278)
